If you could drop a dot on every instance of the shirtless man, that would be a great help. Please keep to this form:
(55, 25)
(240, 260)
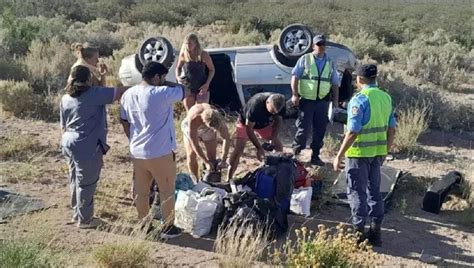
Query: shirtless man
(202, 124)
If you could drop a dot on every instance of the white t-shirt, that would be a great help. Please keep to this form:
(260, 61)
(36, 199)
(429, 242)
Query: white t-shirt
(149, 110)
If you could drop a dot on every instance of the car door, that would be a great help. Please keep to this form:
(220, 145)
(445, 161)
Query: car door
(256, 71)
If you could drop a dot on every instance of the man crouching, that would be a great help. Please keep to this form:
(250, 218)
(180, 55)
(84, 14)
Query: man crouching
(202, 124)
(261, 116)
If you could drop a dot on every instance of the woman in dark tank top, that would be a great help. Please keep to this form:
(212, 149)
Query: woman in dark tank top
(194, 70)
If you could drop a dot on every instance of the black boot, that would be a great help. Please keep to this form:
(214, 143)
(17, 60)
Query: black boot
(375, 235)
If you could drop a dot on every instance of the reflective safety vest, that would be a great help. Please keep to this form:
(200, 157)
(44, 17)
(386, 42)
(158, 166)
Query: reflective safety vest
(372, 139)
(313, 84)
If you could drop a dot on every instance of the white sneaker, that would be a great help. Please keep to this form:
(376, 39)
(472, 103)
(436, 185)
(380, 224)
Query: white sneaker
(92, 224)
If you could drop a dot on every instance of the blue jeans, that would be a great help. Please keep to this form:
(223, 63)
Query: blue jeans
(363, 189)
(312, 116)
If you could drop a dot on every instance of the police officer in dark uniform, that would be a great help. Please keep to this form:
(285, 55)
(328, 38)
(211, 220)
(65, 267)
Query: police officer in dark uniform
(314, 81)
(369, 136)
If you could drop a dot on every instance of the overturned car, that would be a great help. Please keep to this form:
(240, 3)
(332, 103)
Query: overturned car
(244, 71)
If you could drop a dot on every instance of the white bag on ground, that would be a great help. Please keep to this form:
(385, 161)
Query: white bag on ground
(198, 187)
(301, 201)
(193, 213)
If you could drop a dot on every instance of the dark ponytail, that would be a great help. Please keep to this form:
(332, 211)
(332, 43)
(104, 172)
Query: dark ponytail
(80, 81)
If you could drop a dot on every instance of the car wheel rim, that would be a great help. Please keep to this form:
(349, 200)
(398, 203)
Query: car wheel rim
(296, 41)
(155, 51)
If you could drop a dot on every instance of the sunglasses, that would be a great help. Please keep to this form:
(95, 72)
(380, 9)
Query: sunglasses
(320, 44)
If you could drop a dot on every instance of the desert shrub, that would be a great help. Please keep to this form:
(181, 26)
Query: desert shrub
(151, 12)
(323, 249)
(113, 10)
(49, 28)
(436, 59)
(447, 113)
(243, 37)
(31, 104)
(98, 32)
(10, 94)
(132, 254)
(12, 70)
(17, 33)
(48, 65)
(240, 246)
(412, 122)
(365, 44)
(113, 62)
(128, 33)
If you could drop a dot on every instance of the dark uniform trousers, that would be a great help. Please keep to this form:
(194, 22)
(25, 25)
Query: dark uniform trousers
(312, 116)
(363, 189)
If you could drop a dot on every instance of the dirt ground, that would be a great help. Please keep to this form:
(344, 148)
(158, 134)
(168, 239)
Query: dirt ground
(407, 231)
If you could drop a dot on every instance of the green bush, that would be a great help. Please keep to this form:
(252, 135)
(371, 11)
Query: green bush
(22, 254)
(49, 28)
(12, 70)
(98, 32)
(365, 44)
(435, 59)
(17, 33)
(48, 65)
(70, 9)
(18, 98)
(448, 112)
(155, 13)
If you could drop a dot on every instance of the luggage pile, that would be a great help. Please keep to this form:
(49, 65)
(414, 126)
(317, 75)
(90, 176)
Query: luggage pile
(263, 197)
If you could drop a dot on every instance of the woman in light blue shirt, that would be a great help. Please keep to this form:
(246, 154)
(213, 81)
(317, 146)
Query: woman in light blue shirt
(83, 143)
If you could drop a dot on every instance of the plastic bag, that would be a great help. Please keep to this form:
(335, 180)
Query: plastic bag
(301, 201)
(193, 213)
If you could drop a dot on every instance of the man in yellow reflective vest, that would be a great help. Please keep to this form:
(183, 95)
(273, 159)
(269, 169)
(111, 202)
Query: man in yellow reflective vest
(314, 81)
(369, 137)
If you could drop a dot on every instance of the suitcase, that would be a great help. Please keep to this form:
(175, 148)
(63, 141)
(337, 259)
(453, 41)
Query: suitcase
(437, 192)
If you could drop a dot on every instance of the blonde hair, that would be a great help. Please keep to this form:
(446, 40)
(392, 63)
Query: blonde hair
(212, 118)
(184, 48)
(84, 50)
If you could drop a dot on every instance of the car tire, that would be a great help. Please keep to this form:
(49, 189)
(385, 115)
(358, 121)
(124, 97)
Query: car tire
(295, 40)
(157, 49)
(138, 63)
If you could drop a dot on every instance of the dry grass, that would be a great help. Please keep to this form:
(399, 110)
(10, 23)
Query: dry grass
(131, 254)
(241, 246)
(18, 147)
(331, 144)
(325, 249)
(412, 122)
(13, 172)
(113, 113)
